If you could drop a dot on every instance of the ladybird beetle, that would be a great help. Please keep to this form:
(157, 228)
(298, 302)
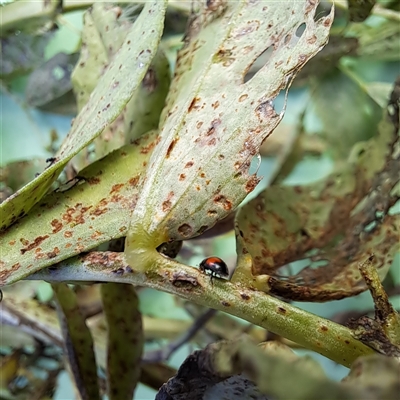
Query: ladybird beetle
(215, 266)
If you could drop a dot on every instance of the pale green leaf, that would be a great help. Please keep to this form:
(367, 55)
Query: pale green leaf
(213, 123)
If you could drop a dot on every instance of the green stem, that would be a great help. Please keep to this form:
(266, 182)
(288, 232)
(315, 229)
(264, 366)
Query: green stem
(309, 330)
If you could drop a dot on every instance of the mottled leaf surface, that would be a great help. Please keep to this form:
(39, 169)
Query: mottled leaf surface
(65, 223)
(125, 339)
(382, 333)
(213, 123)
(113, 91)
(333, 225)
(78, 343)
(105, 29)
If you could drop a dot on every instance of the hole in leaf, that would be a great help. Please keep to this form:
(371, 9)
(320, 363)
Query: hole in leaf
(300, 30)
(323, 10)
(258, 63)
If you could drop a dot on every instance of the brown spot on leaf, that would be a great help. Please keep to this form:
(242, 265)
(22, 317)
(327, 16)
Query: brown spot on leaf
(134, 181)
(68, 234)
(223, 202)
(75, 214)
(214, 124)
(193, 105)
(243, 97)
(182, 177)
(4, 274)
(116, 188)
(34, 244)
(166, 206)
(171, 147)
(215, 105)
(56, 225)
(54, 253)
(252, 183)
(189, 164)
(185, 230)
(245, 296)
(225, 303)
(93, 180)
(148, 148)
(312, 39)
(324, 328)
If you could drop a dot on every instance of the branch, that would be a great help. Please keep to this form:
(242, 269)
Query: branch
(311, 331)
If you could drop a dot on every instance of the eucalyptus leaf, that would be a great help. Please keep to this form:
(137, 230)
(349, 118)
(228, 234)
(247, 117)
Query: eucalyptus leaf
(65, 223)
(78, 343)
(213, 123)
(114, 90)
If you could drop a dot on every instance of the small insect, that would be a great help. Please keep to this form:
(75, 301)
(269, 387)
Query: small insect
(215, 266)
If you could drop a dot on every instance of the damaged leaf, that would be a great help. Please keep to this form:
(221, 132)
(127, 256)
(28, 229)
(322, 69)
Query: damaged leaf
(125, 339)
(214, 123)
(78, 343)
(383, 332)
(95, 209)
(332, 225)
(105, 29)
(113, 91)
